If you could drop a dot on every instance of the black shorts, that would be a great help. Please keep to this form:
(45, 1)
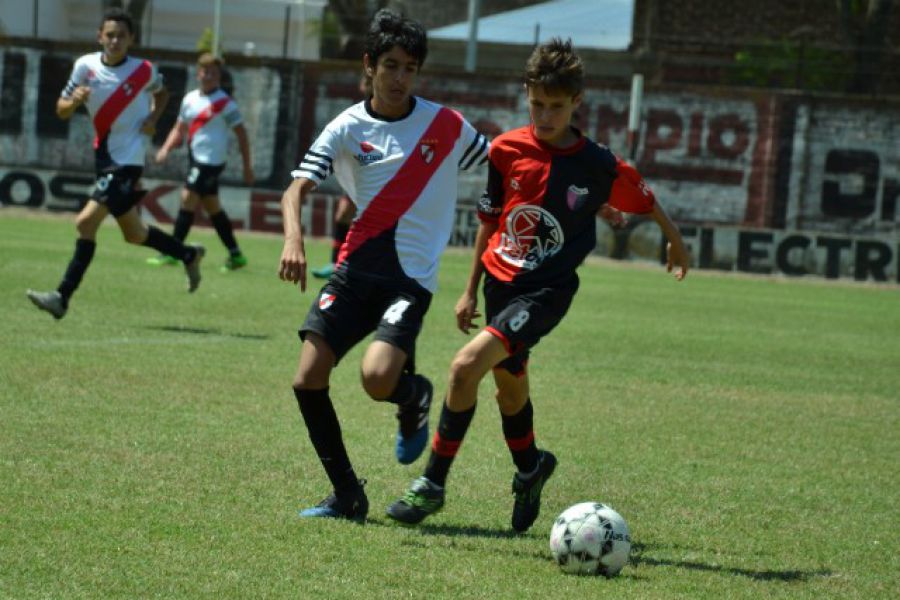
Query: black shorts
(203, 179)
(520, 317)
(116, 188)
(349, 308)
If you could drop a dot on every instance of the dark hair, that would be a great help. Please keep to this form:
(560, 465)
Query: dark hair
(555, 67)
(119, 15)
(389, 29)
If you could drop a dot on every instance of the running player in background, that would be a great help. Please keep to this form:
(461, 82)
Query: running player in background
(398, 157)
(205, 118)
(125, 97)
(546, 184)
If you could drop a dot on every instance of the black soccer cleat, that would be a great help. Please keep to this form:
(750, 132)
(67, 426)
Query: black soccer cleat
(423, 498)
(353, 505)
(193, 268)
(527, 505)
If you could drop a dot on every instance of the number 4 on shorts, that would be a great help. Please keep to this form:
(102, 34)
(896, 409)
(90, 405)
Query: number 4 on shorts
(395, 311)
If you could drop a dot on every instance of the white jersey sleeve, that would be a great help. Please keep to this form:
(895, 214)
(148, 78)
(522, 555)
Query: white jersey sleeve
(232, 115)
(78, 77)
(476, 145)
(318, 162)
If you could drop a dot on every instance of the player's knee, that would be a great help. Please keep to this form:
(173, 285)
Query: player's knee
(377, 384)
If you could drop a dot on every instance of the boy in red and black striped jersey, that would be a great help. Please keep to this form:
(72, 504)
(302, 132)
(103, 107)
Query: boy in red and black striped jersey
(125, 97)
(546, 184)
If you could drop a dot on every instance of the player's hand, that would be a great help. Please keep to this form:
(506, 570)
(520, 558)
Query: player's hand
(292, 266)
(248, 175)
(466, 311)
(613, 216)
(161, 155)
(677, 256)
(81, 94)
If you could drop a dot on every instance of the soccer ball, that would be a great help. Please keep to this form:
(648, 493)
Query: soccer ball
(590, 539)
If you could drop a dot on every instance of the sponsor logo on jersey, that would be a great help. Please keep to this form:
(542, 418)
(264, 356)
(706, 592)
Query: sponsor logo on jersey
(326, 300)
(368, 155)
(576, 197)
(532, 236)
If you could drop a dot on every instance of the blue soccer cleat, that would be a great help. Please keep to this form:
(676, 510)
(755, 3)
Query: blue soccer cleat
(412, 435)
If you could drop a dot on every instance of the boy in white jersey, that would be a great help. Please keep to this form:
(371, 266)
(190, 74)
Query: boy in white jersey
(124, 97)
(397, 156)
(207, 115)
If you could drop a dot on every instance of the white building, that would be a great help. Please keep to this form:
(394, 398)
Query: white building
(282, 28)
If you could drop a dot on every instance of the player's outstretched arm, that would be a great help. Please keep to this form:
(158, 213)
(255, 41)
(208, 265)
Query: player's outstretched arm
(292, 266)
(244, 144)
(676, 254)
(173, 140)
(467, 305)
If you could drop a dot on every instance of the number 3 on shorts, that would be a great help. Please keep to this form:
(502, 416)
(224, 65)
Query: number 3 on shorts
(395, 311)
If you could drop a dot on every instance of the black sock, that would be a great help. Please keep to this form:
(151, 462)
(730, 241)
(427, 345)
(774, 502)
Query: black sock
(325, 434)
(166, 244)
(183, 223)
(81, 260)
(405, 391)
(518, 429)
(446, 442)
(338, 235)
(223, 227)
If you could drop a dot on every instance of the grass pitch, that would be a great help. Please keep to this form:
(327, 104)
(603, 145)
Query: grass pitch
(747, 429)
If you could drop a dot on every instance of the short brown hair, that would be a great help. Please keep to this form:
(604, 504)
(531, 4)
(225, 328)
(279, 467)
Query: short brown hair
(208, 59)
(555, 67)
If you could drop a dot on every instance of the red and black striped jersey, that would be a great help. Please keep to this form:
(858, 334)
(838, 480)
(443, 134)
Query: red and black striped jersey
(545, 200)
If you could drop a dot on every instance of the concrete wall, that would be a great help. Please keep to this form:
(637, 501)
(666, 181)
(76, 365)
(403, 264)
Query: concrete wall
(743, 172)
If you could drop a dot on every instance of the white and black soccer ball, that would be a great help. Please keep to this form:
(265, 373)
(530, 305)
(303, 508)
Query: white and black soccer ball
(590, 539)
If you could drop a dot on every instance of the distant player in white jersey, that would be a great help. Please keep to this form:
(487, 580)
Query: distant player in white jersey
(208, 114)
(125, 97)
(398, 157)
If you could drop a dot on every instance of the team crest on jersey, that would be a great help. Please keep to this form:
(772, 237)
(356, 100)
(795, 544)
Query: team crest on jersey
(127, 88)
(369, 154)
(326, 300)
(576, 197)
(427, 151)
(532, 236)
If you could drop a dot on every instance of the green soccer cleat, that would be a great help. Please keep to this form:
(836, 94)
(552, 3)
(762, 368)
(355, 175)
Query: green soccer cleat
(161, 260)
(423, 498)
(234, 262)
(527, 506)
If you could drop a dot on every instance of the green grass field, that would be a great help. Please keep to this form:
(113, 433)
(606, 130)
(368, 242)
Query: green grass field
(747, 428)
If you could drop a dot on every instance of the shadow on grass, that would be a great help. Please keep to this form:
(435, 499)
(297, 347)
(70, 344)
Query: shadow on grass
(206, 331)
(789, 576)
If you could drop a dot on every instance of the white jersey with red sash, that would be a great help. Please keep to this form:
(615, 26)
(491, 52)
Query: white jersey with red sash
(402, 175)
(119, 102)
(209, 118)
